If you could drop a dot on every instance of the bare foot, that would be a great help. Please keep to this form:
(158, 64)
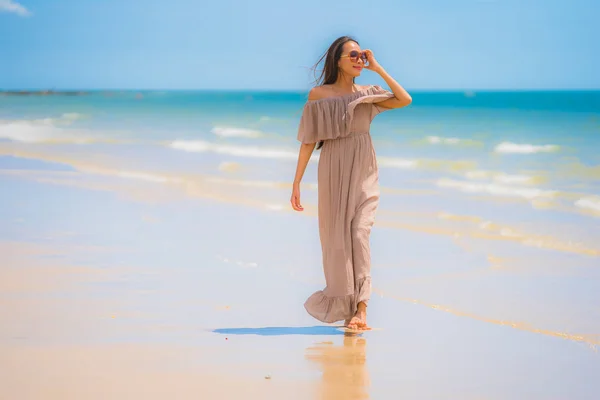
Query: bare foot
(359, 321)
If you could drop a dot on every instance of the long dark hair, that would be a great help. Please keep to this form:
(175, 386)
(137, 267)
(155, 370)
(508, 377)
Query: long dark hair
(330, 72)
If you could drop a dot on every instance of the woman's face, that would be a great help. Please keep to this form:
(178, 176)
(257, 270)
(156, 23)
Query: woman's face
(351, 63)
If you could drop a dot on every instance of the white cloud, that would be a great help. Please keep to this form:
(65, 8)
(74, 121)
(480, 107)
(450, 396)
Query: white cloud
(14, 7)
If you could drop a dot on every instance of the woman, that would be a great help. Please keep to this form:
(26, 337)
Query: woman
(336, 118)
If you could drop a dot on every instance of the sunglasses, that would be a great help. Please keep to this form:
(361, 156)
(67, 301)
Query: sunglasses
(354, 55)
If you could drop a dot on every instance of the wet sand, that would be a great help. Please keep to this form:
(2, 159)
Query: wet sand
(108, 295)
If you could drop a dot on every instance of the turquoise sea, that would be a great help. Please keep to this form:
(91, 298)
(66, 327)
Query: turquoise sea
(536, 149)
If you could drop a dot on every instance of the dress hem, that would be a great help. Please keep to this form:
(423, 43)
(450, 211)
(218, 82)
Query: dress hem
(333, 309)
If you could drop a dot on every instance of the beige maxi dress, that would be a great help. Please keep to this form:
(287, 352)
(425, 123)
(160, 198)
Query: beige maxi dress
(348, 195)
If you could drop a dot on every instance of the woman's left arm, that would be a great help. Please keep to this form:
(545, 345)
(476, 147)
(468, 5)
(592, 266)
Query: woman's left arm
(401, 97)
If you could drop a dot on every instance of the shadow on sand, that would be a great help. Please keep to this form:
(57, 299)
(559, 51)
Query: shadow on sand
(281, 331)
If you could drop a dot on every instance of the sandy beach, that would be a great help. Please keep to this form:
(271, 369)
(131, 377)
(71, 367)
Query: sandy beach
(108, 291)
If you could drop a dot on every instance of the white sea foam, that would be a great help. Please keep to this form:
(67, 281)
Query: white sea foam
(497, 190)
(235, 132)
(443, 140)
(24, 131)
(64, 119)
(393, 162)
(515, 148)
(200, 146)
(44, 130)
(40, 132)
(451, 141)
(500, 177)
(514, 179)
(590, 203)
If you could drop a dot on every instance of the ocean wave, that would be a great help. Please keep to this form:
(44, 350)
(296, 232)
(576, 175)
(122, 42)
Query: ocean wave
(393, 162)
(435, 140)
(47, 130)
(497, 190)
(64, 119)
(41, 132)
(515, 148)
(199, 146)
(235, 132)
(589, 203)
(502, 177)
(424, 164)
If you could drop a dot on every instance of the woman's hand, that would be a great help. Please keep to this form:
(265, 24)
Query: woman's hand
(401, 97)
(295, 200)
(304, 154)
(373, 64)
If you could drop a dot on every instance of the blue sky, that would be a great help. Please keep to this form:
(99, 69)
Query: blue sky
(269, 44)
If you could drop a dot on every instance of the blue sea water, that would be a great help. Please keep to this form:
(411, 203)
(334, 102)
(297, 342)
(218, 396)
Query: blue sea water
(513, 156)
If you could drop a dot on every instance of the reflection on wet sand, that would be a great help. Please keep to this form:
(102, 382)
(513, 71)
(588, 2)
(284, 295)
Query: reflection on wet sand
(593, 340)
(345, 374)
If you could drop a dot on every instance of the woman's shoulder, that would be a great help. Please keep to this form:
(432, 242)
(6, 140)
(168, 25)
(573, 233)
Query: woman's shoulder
(326, 91)
(319, 92)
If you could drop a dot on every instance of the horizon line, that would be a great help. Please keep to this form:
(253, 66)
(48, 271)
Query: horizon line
(284, 90)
